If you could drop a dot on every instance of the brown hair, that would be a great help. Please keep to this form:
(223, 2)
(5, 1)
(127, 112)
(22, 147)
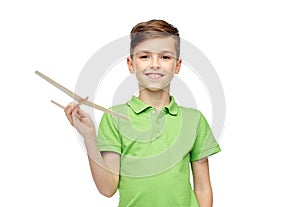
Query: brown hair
(153, 29)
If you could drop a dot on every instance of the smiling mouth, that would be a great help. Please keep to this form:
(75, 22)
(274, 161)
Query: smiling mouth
(154, 75)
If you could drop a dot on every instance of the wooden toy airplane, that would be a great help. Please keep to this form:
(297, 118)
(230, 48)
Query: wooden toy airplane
(76, 97)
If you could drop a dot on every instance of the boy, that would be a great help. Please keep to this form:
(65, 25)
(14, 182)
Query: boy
(148, 158)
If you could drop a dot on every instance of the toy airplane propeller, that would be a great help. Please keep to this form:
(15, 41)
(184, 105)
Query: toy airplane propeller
(76, 97)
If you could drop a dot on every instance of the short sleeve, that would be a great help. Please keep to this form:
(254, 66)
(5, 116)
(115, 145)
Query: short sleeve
(108, 135)
(205, 143)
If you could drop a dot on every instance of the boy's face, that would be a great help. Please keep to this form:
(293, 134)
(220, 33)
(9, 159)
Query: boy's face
(154, 62)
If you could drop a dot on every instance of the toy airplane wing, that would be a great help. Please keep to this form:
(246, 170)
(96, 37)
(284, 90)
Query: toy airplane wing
(78, 98)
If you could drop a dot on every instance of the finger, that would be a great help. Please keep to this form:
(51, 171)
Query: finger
(84, 117)
(75, 115)
(80, 102)
(74, 107)
(69, 107)
(69, 117)
(68, 112)
(82, 113)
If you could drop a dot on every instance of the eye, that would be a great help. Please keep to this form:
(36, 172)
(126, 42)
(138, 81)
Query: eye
(143, 56)
(166, 57)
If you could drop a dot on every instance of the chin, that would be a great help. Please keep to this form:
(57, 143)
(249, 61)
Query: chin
(155, 88)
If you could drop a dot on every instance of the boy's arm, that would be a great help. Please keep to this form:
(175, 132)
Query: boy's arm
(104, 168)
(202, 185)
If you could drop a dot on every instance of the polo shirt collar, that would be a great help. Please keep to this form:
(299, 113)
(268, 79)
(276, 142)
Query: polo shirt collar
(139, 106)
(172, 108)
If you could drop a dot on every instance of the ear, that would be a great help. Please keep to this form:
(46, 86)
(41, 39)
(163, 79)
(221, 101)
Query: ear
(130, 65)
(178, 65)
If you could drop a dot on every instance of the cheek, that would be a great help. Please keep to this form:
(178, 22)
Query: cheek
(170, 66)
(141, 65)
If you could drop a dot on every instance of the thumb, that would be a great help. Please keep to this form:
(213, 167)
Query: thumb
(75, 115)
(82, 113)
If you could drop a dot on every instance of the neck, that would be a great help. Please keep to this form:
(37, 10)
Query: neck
(156, 99)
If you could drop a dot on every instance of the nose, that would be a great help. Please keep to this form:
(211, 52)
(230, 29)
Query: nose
(154, 64)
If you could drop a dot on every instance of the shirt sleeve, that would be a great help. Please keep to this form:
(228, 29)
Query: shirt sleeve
(108, 135)
(205, 143)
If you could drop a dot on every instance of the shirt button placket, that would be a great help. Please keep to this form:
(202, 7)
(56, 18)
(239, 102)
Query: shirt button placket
(156, 121)
(159, 121)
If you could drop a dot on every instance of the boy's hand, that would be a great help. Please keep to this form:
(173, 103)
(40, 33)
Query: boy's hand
(80, 120)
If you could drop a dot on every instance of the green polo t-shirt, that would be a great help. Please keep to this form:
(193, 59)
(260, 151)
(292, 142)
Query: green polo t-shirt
(156, 149)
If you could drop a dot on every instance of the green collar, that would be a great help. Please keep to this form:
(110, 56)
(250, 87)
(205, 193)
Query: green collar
(139, 106)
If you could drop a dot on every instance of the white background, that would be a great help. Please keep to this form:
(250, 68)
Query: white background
(253, 45)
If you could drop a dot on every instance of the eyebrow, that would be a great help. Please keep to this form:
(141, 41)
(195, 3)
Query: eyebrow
(149, 51)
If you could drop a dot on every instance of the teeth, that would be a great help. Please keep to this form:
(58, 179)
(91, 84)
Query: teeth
(154, 75)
